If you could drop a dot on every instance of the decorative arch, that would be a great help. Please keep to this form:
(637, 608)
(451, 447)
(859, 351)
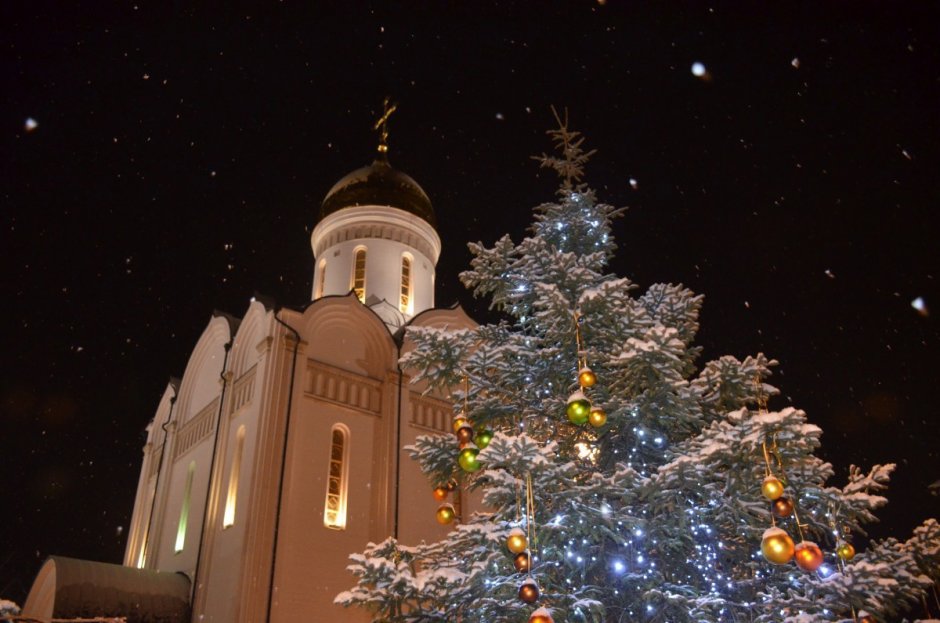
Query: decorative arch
(253, 328)
(200, 384)
(341, 332)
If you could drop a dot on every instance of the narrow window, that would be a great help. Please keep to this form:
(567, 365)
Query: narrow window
(184, 511)
(228, 517)
(334, 515)
(321, 277)
(359, 275)
(405, 302)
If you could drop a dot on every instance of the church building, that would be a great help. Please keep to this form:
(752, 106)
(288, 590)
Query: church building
(280, 450)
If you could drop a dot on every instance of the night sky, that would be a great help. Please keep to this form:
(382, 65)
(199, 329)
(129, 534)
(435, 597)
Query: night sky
(179, 158)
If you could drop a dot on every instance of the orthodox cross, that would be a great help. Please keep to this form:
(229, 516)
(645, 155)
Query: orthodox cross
(382, 124)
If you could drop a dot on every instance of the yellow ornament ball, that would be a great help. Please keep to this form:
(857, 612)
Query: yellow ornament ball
(772, 488)
(808, 556)
(516, 541)
(597, 417)
(460, 421)
(845, 551)
(586, 377)
(777, 546)
(440, 494)
(445, 514)
(542, 615)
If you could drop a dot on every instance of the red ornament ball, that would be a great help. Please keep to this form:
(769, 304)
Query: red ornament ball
(529, 591)
(808, 556)
(440, 494)
(523, 561)
(782, 507)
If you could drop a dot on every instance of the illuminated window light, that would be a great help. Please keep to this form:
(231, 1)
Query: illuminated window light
(184, 510)
(321, 278)
(228, 517)
(334, 512)
(406, 305)
(359, 274)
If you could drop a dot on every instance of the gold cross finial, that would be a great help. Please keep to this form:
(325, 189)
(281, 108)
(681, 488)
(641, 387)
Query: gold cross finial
(382, 124)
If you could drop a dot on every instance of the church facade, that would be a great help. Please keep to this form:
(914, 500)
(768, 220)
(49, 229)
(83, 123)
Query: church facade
(280, 450)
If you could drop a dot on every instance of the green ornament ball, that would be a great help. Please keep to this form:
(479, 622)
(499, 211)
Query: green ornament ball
(468, 459)
(579, 408)
(483, 438)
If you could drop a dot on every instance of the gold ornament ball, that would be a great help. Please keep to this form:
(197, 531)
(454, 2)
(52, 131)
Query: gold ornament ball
(597, 417)
(483, 438)
(459, 421)
(772, 488)
(516, 541)
(440, 494)
(777, 546)
(522, 561)
(468, 459)
(445, 514)
(579, 408)
(845, 551)
(586, 377)
(529, 592)
(465, 434)
(782, 507)
(808, 556)
(541, 616)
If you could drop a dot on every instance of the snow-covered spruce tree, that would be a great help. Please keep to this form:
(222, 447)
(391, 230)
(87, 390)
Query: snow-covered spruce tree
(656, 514)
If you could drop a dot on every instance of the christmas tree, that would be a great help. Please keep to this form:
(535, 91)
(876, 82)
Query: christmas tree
(622, 481)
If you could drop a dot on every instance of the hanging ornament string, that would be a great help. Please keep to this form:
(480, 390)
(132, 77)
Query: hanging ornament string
(530, 513)
(582, 357)
(835, 531)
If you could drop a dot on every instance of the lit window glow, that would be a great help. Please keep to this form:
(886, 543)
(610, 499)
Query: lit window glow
(405, 304)
(228, 517)
(334, 513)
(359, 275)
(184, 510)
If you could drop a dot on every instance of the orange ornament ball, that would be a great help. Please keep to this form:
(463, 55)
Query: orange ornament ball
(586, 377)
(440, 494)
(845, 551)
(772, 488)
(597, 417)
(542, 615)
(516, 541)
(445, 514)
(777, 546)
(808, 556)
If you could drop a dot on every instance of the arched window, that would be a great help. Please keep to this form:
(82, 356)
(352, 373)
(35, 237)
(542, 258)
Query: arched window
(321, 277)
(404, 304)
(184, 510)
(334, 513)
(359, 274)
(228, 517)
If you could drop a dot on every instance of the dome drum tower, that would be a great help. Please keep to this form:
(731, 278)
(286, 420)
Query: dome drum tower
(376, 236)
